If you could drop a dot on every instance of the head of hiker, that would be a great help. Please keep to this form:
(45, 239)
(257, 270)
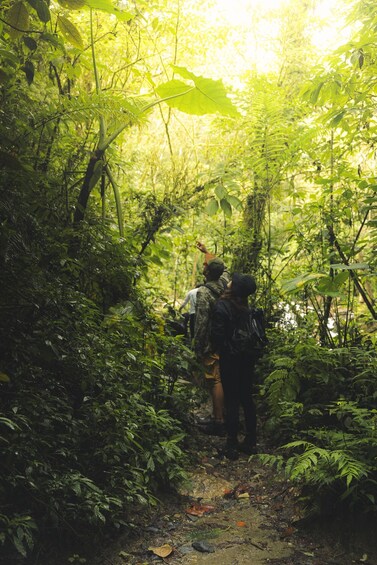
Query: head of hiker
(213, 269)
(242, 286)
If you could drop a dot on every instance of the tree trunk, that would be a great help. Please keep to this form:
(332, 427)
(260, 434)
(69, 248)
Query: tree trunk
(87, 186)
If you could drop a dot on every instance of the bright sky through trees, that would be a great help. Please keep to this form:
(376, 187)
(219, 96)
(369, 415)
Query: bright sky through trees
(252, 27)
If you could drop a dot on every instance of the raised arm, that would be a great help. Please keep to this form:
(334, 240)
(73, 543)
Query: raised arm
(203, 249)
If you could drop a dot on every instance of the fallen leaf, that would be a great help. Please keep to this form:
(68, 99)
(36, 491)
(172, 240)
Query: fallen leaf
(162, 551)
(228, 492)
(288, 532)
(199, 510)
(241, 524)
(243, 487)
(243, 495)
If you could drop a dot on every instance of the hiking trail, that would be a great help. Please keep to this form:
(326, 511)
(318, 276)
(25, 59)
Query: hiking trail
(236, 513)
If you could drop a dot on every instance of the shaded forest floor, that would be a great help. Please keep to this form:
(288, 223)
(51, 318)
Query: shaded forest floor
(237, 513)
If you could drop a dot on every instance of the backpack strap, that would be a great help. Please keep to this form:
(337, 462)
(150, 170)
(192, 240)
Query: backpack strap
(216, 293)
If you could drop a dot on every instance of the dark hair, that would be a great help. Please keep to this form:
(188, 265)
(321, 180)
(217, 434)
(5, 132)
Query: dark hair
(243, 285)
(239, 302)
(215, 268)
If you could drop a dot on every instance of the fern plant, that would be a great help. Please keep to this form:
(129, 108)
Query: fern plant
(325, 400)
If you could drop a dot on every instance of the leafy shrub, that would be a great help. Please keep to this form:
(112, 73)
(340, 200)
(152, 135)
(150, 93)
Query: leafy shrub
(86, 429)
(324, 399)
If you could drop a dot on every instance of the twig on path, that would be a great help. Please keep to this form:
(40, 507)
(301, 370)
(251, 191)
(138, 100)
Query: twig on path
(255, 545)
(282, 492)
(241, 542)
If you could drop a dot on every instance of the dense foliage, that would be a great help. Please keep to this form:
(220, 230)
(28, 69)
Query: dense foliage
(88, 430)
(112, 165)
(321, 405)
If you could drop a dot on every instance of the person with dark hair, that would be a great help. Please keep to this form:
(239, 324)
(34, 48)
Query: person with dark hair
(231, 315)
(217, 277)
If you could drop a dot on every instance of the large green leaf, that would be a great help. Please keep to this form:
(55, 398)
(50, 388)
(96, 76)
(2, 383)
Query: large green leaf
(30, 42)
(331, 287)
(235, 202)
(341, 278)
(314, 94)
(220, 191)
(70, 32)
(201, 96)
(43, 11)
(351, 267)
(29, 71)
(18, 18)
(54, 39)
(226, 207)
(212, 207)
(298, 282)
(107, 6)
(338, 118)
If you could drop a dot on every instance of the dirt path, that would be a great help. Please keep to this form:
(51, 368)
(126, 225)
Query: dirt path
(234, 513)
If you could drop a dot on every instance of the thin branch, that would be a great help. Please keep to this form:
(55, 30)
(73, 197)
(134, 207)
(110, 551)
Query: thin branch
(117, 199)
(102, 124)
(359, 233)
(22, 30)
(354, 276)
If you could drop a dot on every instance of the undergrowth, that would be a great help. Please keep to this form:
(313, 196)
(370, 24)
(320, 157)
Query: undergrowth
(93, 392)
(321, 410)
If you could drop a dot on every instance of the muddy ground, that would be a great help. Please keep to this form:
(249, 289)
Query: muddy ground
(238, 513)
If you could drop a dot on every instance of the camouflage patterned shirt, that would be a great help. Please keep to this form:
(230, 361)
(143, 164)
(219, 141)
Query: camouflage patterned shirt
(206, 298)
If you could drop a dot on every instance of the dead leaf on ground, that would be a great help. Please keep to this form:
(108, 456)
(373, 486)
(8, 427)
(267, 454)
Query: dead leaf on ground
(228, 492)
(243, 495)
(244, 487)
(199, 510)
(288, 532)
(162, 551)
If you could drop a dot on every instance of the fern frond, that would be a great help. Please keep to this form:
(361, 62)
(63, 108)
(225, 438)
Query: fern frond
(322, 466)
(281, 385)
(276, 461)
(86, 107)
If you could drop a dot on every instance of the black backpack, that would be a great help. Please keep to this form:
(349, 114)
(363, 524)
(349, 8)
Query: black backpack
(248, 333)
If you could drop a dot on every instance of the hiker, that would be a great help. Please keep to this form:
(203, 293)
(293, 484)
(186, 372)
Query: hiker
(231, 312)
(217, 277)
(191, 299)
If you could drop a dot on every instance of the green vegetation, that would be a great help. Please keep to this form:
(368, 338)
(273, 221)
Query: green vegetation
(119, 149)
